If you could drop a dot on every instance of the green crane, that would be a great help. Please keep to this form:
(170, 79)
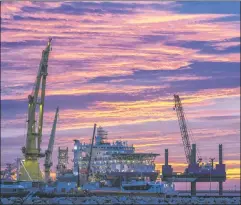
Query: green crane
(30, 166)
(48, 154)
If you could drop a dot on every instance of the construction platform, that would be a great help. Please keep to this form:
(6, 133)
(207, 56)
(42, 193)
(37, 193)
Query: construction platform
(195, 173)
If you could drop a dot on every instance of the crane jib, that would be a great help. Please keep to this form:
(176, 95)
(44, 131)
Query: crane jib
(33, 139)
(183, 128)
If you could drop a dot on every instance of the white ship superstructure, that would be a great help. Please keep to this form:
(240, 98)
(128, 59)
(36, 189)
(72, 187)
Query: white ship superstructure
(113, 159)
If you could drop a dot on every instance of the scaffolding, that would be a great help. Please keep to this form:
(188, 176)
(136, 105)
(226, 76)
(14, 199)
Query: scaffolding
(62, 161)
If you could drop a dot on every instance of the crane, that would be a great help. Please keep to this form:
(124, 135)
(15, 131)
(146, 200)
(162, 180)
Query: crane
(11, 170)
(92, 142)
(32, 149)
(48, 154)
(183, 128)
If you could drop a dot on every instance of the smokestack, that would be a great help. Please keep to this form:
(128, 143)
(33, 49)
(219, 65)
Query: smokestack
(166, 157)
(193, 153)
(220, 154)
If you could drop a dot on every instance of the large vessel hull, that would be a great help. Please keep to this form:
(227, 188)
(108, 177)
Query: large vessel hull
(117, 177)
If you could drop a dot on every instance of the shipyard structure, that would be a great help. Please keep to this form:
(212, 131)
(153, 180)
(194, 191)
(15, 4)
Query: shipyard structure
(114, 162)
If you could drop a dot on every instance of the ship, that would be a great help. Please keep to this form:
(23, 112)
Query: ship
(149, 187)
(134, 187)
(113, 162)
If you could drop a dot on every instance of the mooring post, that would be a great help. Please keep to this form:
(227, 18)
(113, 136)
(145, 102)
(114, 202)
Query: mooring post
(193, 188)
(220, 149)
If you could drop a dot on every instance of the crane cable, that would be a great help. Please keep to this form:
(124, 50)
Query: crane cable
(25, 125)
(32, 94)
(191, 135)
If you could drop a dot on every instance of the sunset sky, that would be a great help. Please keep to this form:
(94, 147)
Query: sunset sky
(118, 64)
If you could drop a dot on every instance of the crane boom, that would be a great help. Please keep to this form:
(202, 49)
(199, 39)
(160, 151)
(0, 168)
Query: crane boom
(30, 168)
(92, 142)
(48, 154)
(34, 137)
(183, 128)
